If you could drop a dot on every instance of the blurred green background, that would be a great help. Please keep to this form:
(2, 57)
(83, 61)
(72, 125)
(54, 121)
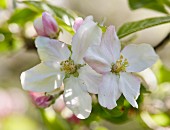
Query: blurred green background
(18, 53)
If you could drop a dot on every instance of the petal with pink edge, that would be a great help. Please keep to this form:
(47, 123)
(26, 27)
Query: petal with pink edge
(98, 59)
(88, 34)
(111, 43)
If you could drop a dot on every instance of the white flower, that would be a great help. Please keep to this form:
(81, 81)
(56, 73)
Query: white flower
(60, 65)
(116, 67)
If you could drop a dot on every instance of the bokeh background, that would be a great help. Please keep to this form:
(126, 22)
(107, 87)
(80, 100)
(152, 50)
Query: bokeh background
(17, 54)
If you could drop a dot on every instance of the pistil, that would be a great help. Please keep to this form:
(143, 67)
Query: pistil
(120, 65)
(68, 66)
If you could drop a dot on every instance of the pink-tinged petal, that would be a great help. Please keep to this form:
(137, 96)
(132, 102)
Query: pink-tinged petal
(111, 43)
(91, 79)
(88, 34)
(109, 91)
(50, 25)
(77, 23)
(51, 50)
(130, 87)
(76, 99)
(139, 57)
(38, 25)
(41, 78)
(98, 59)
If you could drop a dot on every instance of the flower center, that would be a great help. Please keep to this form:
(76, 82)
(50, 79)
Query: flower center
(68, 66)
(120, 65)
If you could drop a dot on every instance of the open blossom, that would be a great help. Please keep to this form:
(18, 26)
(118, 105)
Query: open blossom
(116, 66)
(46, 26)
(60, 65)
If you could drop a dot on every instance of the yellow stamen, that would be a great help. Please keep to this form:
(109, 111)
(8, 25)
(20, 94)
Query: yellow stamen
(120, 65)
(68, 66)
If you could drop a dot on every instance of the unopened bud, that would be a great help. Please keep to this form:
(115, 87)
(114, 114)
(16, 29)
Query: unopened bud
(77, 23)
(46, 26)
(44, 101)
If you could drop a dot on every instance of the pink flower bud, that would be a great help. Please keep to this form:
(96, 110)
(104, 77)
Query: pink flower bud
(41, 100)
(44, 101)
(77, 23)
(46, 26)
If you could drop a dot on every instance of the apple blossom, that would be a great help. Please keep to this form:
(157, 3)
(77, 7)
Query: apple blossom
(46, 26)
(116, 66)
(59, 64)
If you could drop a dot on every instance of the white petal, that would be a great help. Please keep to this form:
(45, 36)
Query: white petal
(52, 50)
(111, 43)
(109, 91)
(41, 78)
(98, 59)
(130, 87)
(139, 57)
(91, 79)
(76, 99)
(88, 34)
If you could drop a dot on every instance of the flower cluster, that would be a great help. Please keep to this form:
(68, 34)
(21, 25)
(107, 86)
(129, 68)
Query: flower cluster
(95, 64)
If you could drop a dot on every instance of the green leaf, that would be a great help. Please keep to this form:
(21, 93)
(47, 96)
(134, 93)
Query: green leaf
(167, 2)
(64, 25)
(65, 14)
(21, 16)
(117, 115)
(131, 27)
(3, 4)
(7, 40)
(34, 5)
(157, 5)
(161, 119)
(58, 123)
(163, 74)
(11, 122)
